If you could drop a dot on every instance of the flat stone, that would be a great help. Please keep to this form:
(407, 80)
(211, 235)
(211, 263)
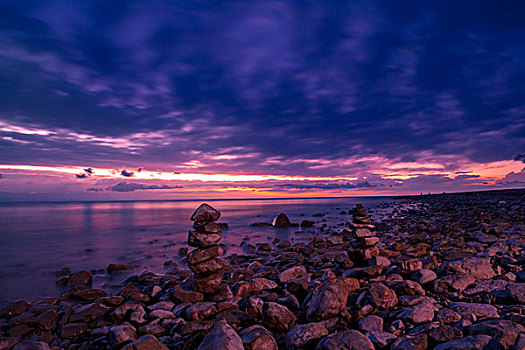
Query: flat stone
(203, 254)
(458, 282)
(371, 323)
(478, 268)
(209, 266)
(207, 227)
(423, 276)
(277, 317)
(31, 345)
(505, 331)
(147, 342)
(73, 330)
(208, 284)
(516, 291)
(420, 313)
(479, 310)
(88, 313)
(205, 213)
(380, 338)
(186, 296)
(221, 337)
(348, 340)
(408, 342)
(305, 336)
(477, 342)
(258, 338)
(14, 308)
(380, 295)
(203, 240)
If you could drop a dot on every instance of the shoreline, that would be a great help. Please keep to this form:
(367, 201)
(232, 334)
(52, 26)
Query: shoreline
(443, 271)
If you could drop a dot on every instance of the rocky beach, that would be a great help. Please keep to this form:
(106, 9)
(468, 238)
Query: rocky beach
(422, 272)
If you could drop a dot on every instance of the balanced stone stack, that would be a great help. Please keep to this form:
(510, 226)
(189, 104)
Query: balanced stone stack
(364, 236)
(205, 261)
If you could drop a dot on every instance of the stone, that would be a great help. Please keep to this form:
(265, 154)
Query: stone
(203, 240)
(81, 278)
(119, 267)
(380, 338)
(411, 265)
(73, 330)
(371, 323)
(146, 342)
(447, 316)
(420, 313)
(281, 220)
(505, 331)
(408, 342)
(201, 311)
(516, 292)
(292, 273)
(347, 340)
(9, 342)
(209, 266)
(207, 227)
(208, 284)
(205, 213)
(458, 282)
(277, 317)
(88, 313)
(329, 300)
(363, 232)
(186, 296)
(477, 342)
(260, 284)
(221, 337)
(423, 276)
(31, 345)
(380, 295)
(203, 254)
(48, 319)
(478, 268)
(14, 308)
(258, 338)
(305, 336)
(307, 223)
(479, 310)
(122, 334)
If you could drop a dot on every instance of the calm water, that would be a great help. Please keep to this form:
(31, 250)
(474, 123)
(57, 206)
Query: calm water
(38, 239)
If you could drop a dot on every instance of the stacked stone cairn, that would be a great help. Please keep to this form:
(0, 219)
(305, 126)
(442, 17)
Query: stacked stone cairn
(205, 261)
(365, 239)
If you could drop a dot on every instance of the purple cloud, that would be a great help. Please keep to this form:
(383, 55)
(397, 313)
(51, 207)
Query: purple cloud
(130, 187)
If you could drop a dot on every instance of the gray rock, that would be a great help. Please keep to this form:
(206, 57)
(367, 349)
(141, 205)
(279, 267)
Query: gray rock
(205, 213)
(371, 323)
(277, 317)
(477, 342)
(329, 299)
(478, 268)
(305, 336)
(479, 310)
(258, 338)
(221, 337)
(505, 331)
(423, 276)
(348, 340)
(281, 220)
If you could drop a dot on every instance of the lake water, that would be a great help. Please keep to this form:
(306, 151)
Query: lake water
(38, 239)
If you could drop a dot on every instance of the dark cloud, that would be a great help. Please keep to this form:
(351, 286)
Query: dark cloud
(328, 186)
(94, 189)
(89, 171)
(126, 173)
(130, 187)
(81, 176)
(121, 81)
(520, 156)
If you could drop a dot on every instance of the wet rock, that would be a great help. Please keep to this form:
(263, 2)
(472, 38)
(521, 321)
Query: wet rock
(281, 220)
(200, 255)
(186, 296)
(73, 330)
(207, 227)
(371, 323)
(146, 342)
(203, 240)
(416, 342)
(307, 223)
(205, 213)
(516, 291)
(380, 295)
(277, 317)
(8, 342)
(348, 340)
(477, 342)
(88, 313)
(48, 319)
(222, 337)
(208, 284)
(81, 278)
(258, 338)
(122, 334)
(478, 268)
(479, 310)
(209, 266)
(14, 309)
(381, 339)
(292, 273)
(31, 345)
(423, 276)
(305, 336)
(505, 331)
(119, 267)
(330, 299)
(421, 313)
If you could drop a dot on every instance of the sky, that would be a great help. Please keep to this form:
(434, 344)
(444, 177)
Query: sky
(117, 100)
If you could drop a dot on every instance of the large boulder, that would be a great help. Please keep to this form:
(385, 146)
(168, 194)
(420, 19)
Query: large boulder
(221, 337)
(348, 340)
(281, 220)
(478, 268)
(277, 317)
(330, 299)
(205, 213)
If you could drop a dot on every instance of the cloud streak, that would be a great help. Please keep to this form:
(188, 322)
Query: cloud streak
(130, 187)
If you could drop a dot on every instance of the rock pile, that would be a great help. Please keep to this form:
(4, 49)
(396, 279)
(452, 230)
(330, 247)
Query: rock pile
(365, 240)
(205, 261)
